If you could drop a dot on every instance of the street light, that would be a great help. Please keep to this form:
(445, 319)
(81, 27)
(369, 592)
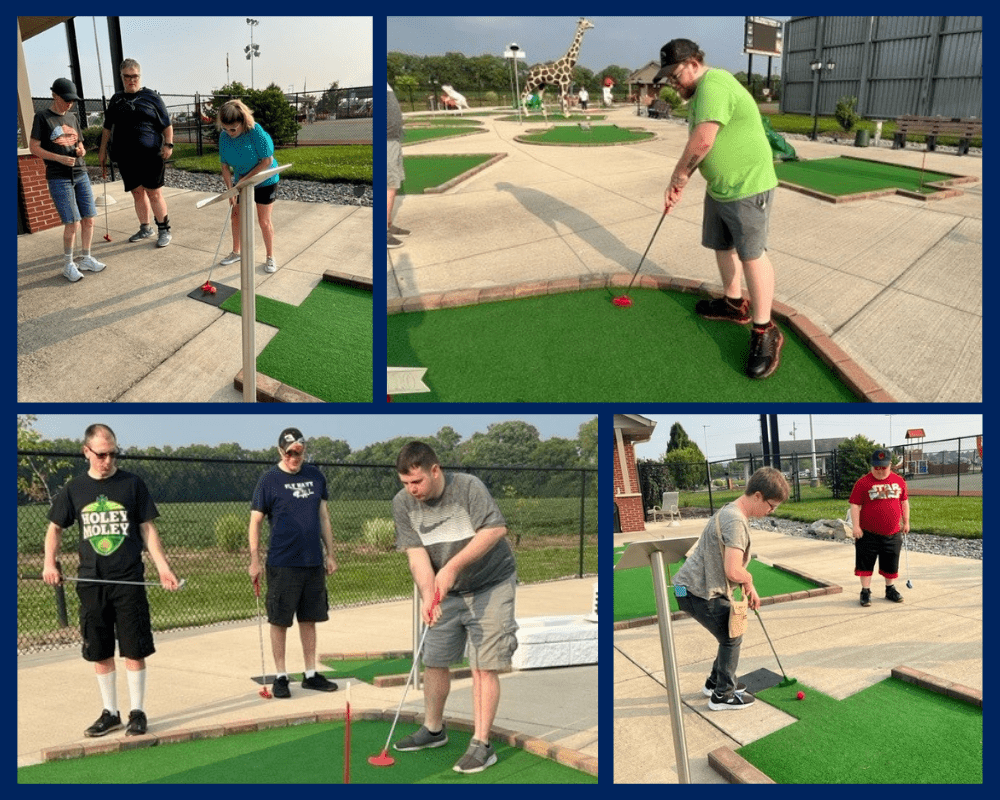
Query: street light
(252, 50)
(817, 68)
(514, 52)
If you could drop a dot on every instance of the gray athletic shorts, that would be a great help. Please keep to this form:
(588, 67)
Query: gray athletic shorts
(739, 224)
(485, 619)
(394, 165)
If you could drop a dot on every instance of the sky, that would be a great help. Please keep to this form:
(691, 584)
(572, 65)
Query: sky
(259, 431)
(185, 54)
(630, 42)
(724, 431)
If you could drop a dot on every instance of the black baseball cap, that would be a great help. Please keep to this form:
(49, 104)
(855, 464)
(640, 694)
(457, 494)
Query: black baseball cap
(881, 458)
(290, 436)
(65, 88)
(673, 53)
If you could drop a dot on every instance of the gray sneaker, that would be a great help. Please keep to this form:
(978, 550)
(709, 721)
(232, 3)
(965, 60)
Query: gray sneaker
(164, 238)
(397, 231)
(71, 273)
(391, 241)
(144, 232)
(478, 757)
(90, 264)
(422, 739)
(232, 258)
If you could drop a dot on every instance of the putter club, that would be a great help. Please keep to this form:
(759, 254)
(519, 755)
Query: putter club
(787, 681)
(180, 583)
(624, 300)
(906, 552)
(104, 177)
(347, 738)
(107, 230)
(383, 759)
(260, 635)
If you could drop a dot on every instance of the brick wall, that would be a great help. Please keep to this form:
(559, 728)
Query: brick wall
(39, 208)
(630, 511)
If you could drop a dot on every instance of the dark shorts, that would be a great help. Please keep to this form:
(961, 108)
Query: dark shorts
(109, 611)
(740, 225)
(263, 195)
(873, 546)
(296, 592)
(146, 171)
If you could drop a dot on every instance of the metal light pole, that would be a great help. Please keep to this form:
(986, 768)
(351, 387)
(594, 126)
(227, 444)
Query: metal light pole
(252, 50)
(817, 68)
(514, 52)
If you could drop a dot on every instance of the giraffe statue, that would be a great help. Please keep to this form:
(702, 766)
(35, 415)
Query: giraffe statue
(555, 73)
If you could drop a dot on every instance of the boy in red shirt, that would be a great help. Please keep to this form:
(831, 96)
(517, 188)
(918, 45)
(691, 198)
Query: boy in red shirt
(878, 503)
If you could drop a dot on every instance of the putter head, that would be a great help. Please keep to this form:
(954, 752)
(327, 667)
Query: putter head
(624, 301)
(265, 693)
(383, 759)
(107, 238)
(909, 584)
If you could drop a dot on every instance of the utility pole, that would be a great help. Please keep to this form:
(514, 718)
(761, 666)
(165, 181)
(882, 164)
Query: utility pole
(252, 50)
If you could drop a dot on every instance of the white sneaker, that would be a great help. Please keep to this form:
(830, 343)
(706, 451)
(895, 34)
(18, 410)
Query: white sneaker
(91, 264)
(269, 265)
(232, 258)
(71, 273)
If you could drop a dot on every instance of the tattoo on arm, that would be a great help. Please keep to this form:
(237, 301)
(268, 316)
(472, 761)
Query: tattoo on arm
(691, 165)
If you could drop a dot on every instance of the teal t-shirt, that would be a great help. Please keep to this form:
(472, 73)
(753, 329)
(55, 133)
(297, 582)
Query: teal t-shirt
(740, 163)
(244, 152)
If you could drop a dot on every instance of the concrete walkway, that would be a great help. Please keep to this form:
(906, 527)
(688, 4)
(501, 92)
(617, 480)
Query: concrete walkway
(131, 333)
(829, 643)
(895, 283)
(203, 678)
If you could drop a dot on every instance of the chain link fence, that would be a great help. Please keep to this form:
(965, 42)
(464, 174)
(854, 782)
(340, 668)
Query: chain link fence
(204, 510)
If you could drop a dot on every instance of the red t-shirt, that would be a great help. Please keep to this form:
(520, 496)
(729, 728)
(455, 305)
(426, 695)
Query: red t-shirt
(881, 503)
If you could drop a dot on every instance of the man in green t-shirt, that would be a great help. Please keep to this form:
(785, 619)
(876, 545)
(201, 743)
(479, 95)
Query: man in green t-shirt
(726, 142)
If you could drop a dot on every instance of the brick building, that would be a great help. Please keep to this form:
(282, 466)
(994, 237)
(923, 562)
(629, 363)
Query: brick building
(630, 429)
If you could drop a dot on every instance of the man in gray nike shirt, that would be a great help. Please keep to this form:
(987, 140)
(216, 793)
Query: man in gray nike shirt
(455, 539)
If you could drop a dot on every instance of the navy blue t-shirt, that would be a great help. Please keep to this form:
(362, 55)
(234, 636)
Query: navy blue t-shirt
(291, 505)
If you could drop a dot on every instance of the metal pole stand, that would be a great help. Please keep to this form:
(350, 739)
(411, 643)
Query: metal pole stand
(657, 555)
(248, 300)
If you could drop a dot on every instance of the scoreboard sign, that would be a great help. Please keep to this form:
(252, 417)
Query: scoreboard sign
(762, 36)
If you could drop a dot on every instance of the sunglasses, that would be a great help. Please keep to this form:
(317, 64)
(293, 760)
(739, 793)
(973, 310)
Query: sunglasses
(103, 456)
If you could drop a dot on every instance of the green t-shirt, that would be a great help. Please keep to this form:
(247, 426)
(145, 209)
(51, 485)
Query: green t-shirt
(740, 163)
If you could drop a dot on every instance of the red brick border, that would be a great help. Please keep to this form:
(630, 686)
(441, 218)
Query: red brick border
(865, 387)
(736, 769)
(553, 752)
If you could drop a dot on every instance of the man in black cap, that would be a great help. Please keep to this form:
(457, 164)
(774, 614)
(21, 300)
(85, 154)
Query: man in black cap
(293, 496)
(878, 503)
(56, 140)
(726, 142)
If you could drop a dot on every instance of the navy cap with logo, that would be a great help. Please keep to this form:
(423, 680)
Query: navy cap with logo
(65, 89)
(290, 436)
(673, 53)
(881, 458)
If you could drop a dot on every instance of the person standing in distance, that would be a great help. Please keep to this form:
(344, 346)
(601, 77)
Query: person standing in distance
(293, 496)
(454, 537)
(115, 513)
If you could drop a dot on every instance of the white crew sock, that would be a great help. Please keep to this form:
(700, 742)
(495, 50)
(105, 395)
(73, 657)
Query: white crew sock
(137, 688)
(109, 696)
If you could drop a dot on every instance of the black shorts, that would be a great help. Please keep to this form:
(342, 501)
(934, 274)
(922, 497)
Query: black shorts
(263, 195)
(873, 546)
(110, 611)
(146, 170)
(298, 592)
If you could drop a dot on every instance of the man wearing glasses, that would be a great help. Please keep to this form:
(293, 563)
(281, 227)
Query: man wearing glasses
(726, 142)
(142, 140)
(116, 514)
(293, 496)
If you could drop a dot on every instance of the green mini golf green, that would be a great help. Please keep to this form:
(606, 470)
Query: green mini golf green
(579, 347)
(425, 172)
(586, 135)
(323, 346)
(305, 753)
(892, 732)
(633, 588)
(842, 176)
(414, 135)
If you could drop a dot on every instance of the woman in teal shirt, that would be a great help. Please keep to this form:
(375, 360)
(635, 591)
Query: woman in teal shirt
(245, 150)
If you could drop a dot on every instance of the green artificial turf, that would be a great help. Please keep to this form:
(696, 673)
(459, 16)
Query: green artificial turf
(323, 346)
(307, 753)
(596, 135)
(841, 176)
(414, 135)
(367, 669)
(580, 347)
(424, 172)
(892, 732)
(634, 596)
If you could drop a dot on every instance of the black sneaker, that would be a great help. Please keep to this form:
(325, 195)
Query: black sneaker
(892, 593)
(731, 701)
(397, 231)
(391, 241)
(866, 597)
(136, 724)
(107, 723)
(280, 687)
(319, 683)
(709, 687)
(723, 309)
(422, 740)
(765, 351)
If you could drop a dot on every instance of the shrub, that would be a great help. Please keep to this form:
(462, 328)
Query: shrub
(379, 533)
(845, 113)
(231, 532)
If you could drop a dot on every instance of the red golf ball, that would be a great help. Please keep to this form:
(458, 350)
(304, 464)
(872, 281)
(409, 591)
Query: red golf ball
(800, 696)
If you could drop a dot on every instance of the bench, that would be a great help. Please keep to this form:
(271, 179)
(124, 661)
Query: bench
(932, 127)
(659, 110)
